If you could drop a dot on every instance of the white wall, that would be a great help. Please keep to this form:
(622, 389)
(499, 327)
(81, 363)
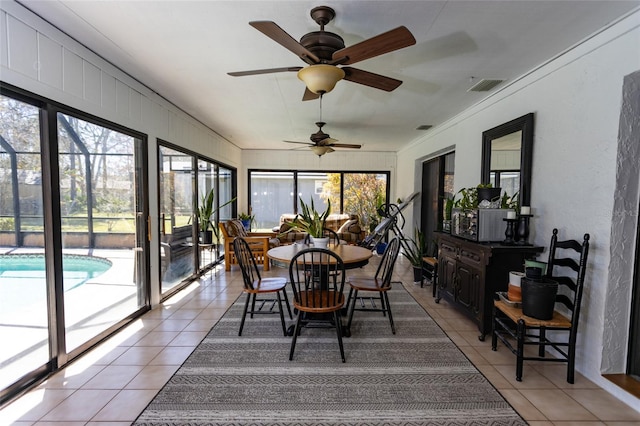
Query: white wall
(576, 100)
(37, 57)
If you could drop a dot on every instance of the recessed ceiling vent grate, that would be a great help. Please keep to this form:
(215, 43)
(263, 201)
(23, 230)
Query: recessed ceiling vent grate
(424, 127)
(484, 85)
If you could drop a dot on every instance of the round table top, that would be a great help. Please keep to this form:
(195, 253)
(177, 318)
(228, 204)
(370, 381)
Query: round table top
(350, 255)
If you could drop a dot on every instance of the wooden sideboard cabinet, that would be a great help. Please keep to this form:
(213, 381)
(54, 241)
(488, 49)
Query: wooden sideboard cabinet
(470, 273)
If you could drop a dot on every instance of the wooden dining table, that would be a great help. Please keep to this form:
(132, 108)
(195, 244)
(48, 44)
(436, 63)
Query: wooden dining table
(352, 256)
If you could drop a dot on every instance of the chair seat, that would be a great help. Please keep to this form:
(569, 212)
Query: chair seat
(368, 284)
(516, 314)
(268, 285)
(323, 302)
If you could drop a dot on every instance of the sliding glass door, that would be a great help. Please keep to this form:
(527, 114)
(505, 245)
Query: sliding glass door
(177, 216)
(24, 330)
(101, 213)
(73, 235)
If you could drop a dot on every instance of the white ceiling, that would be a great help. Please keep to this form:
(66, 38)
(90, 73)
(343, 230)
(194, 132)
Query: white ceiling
(183, 50)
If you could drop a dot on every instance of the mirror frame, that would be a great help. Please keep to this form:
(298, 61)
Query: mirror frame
(524, 124)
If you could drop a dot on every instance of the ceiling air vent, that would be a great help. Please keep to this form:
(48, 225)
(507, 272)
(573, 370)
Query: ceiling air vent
(424, 127)
(484, 85)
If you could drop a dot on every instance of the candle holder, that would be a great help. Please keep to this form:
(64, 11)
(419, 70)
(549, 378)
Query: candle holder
(522, 233)
(510, 232)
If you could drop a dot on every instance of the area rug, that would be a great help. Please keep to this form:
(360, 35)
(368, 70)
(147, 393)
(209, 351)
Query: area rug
(413, 378)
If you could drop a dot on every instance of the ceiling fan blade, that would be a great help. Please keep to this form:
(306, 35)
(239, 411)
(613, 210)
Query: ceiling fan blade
(345, 145)
(327, 142)
(370, 79)
(280, 36)
(264, 71)
(303, 143)
(309, 95)
(375, 46)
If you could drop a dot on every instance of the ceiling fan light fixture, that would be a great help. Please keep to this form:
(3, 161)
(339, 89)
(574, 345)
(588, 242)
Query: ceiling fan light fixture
(321, 78)
(321, 150)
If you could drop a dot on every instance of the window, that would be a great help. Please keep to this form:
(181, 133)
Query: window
(273, 193)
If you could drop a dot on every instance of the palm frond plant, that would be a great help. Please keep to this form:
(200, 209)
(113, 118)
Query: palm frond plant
(309, 220)
(206, 215)
(414, 249)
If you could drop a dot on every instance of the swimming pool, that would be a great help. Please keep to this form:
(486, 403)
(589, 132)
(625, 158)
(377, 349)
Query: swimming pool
(77, 269)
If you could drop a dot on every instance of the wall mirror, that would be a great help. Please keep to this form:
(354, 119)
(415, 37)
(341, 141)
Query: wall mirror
(506, 157)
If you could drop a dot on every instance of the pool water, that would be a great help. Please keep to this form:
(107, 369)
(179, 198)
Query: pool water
(77, 269)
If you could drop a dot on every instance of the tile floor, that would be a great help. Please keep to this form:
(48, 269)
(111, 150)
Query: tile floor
(113, 383)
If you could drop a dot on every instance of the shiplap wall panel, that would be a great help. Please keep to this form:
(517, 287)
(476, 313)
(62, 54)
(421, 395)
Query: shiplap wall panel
(3, 36)
(73, 75)
(22, 48)
(49, 61)
(91, 83)
(108, 91)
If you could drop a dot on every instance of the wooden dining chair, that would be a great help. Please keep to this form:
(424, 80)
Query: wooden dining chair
(380, 283)
(317, 279)
(255, 285)
(567, 265)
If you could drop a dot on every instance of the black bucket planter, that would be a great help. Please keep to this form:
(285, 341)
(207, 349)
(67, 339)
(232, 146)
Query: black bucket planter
(491, 194)
(539, 297)
(206, 237)
(417, 274)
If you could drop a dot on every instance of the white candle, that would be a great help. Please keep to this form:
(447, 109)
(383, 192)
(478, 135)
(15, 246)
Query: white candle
(511, 214)
(525, 210)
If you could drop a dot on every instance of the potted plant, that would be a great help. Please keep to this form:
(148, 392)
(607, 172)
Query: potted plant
(448, 209)
(247, 220)
(206, 224)
(414, 249)
(311, 222)
(486, 191)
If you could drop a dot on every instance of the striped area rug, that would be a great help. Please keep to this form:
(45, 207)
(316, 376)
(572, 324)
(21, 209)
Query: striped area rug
(413, 378)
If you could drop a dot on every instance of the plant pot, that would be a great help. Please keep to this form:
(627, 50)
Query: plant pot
(417, 274)
(539, 297)
(446, 226)
(206, 237)
(380, 248)
(246, 223)
(320, 242)
(491, 194)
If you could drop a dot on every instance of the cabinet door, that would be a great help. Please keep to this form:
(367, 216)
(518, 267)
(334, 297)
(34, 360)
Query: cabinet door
(464, 285)
(447, 275)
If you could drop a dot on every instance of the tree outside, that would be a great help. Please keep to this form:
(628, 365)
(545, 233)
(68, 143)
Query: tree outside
(363, 193)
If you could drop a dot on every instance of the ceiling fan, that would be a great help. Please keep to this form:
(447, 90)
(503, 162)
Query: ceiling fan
(321, 143)
(323, 51)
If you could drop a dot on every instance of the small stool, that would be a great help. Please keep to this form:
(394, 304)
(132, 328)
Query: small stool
(430, 271)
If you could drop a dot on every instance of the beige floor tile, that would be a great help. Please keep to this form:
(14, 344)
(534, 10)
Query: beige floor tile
(108, 424)
(494, 376)
(138, 355)
(578, 423)
(557, 405)
(157, 338)
(173, 325)
(188, 338)
(84, 404)
(557, 373)
(531, 379)
(174, 355)
(126, 406)
(152, 377)
(183, 313)
(522, 405)
(113, 377)
(33, 405)
(63, 423)
(473, 355)
(72, 377)
(603, 405)
(540, 423)
(200, 325)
